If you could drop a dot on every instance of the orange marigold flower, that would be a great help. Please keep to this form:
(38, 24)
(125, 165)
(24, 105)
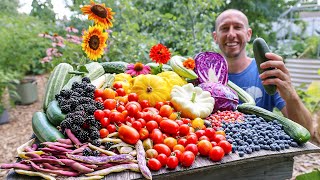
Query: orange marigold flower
(99, 13)
(160, 54)
(189, 63)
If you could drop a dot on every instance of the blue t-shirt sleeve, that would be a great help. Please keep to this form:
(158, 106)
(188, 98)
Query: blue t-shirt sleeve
(278, 101)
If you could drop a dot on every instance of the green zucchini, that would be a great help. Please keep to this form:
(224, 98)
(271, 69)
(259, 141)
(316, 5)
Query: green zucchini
(243, 95)
(42, 128)
(293, 129)
(115, 67)
(58, 78)
(54, 114)
(260, 48)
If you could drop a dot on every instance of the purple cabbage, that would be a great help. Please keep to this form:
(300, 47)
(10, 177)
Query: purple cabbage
(211, 67)
(225, 97)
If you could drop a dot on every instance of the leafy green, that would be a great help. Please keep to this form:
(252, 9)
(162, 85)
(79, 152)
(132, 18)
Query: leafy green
(314, 175)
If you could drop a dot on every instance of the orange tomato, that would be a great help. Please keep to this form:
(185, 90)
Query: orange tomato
(122, 99)
(108, 93)
(179, 147)
(221, 132)
(170, 142)
(204, 147)
(165, 111)
(174, 116)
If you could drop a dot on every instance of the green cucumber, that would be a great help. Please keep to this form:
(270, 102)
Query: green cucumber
(58, 78)
(242, 94)
(115, 67)
(54, 114)
(43, 129)
(260, 48)
(165, 67)
(293, 129)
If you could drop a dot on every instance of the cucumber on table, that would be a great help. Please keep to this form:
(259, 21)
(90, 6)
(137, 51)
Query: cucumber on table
(115, 67)
(54, 114)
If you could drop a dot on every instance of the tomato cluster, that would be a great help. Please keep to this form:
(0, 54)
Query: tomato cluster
(175, 140)
(218, 117)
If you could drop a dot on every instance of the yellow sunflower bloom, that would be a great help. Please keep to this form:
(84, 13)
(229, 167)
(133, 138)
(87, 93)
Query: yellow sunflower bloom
(94, 42)
(99, 13)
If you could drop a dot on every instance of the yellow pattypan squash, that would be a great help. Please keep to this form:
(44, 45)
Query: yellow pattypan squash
(125, 80)
(152, 88)
(192, 101)
(172, 78)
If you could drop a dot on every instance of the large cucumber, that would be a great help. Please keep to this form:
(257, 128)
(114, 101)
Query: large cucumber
(42, 128)
(58, 78)
(114, 67)
(293, 129)
(260, 48)
(54, 114)
(243, 95)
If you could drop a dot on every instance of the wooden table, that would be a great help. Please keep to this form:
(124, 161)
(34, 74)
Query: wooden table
(258, 165)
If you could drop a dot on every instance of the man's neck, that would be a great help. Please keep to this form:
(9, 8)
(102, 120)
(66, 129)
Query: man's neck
(238, 64)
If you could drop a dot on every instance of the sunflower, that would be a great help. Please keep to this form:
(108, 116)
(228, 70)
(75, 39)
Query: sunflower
(160, 54)
(94, 42)
(99, 13)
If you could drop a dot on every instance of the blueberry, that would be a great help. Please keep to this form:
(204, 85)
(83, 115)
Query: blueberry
(273, 148)
(276, 137)
(294, 144)
(255, 142)
(257, 148)
(234, 149)
(287, 137)
(237, 140)
(278, 148)
(269, 142)
(267, 147)
(241, 142)
(282, 146)
(240, 148)
(245, 137)
(241, 153)
(286, 146)
(248, 150)
(249, 141)
(230, 141)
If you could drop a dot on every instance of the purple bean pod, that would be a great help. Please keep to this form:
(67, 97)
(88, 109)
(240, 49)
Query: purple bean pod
(58, 144)
(73, 138)
(45, 149)
(28, 149)
(57, 148)
(101, 159)
(58, 172)
(34, 147)
(32, 155)
(16, 166)
(77, 166)
(117, 168)
(65, 141)
(141, 157)
(47, 160)
(92, 166)
(51, 157)
(104, 166)
(79, 150)
(49, 166)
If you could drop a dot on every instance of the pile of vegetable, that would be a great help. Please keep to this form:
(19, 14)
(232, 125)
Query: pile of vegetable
(105, 120)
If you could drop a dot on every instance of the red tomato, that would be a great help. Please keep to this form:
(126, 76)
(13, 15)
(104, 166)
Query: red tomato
(162, 149)
(130, 119)
(179, 122)
(148, 116)
(99, 99)
(121, 92)
(187, 158)
(163, 159)
(134, 102)
(169, 126)
(98, 93)
(177, 153)
(199, 133)
(216, 153)
(210, 133)
(103, 132)
(157, 118)
(137, 125)
(154, 164)
(111, 128)
(172, 162)
(204, 147)
(193, 148)
(121, 108)
(110, 104)
(117, 85)
(218, 137)
(144, 103)
(108, 93)
(186, 121)
(158, 105)
(105, 122)
(144, 133)
(151, 153)
(192, 139)
(133, 97)
(182, 141)
(139, 115)
(184, 130)
(142, 121)
(98, 114)
(204, 138)
(156, 136)
(132, 109)
(165, 111)
(214, 143)
(151, 125)
(106, 112)
(226, 146)
(116, 117)
(128, 134)
(151, 110)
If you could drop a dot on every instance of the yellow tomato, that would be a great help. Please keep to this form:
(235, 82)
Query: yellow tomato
(170, 142)
(197, 123)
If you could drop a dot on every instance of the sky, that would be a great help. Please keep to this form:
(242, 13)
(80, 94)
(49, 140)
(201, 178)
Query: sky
(58, 8)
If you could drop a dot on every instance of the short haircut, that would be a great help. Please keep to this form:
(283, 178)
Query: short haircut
(231, 10)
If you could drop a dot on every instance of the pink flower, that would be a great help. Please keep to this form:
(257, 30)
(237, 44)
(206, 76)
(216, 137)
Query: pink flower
(137, 69)
(46, 59)
(72, 29)
(45, 35)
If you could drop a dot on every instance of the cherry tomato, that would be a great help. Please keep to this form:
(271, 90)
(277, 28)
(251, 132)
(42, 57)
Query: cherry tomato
(151, 125)
(144, 133)
(98, 114)
(98, 99)
(221, 132)
(162, 148)
(103, 133)
(137, 125)
(214, 143)
(111, 128)
(163, 159)
(142, 121)
(204, 147)
(148, 116)
(105, 122)
(158, 105)
(121, 108)
(130, 119)
(210, 133)
(151, 110)
(218, 137)
(128, 134)
(108, 93)
(193, 148)
(132, 109)
(151, 153)
(133, 97)
(156, 136)
(144, 103)
(192, 139)
(186, 121)
(110, 104)
(116, 117)
(179, 147)
(121, 92)
(98, 93)
(216, 153)
(139, 115)
(172, 162)
(170, 142)
(154, 164)
(184, 130)
(177, 153)
(106, 112)
(199, 133)
(226, 146)
(165, 111)
(157, 118)
(182, 141)
(135, 103)
(117, 85)
(169, 126)
(174, 116)
(187, 158)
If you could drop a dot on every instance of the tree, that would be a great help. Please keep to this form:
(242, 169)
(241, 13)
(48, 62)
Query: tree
(9, 6)
(43, 10)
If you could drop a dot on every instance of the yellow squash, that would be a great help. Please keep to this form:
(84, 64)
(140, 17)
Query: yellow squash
(125, 80)
(172, 78)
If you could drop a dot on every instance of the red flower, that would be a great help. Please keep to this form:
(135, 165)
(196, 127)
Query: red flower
(160, 54)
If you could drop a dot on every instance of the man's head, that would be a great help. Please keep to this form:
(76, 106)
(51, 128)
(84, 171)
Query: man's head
(232, 32)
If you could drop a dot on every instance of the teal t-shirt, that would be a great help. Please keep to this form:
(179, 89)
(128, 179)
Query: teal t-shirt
(250, 81)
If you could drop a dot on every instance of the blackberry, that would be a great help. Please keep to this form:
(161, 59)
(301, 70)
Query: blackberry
(78, 90)
(76, 129)
(66, 123)
(77, 113)
(99, 105)
(57, 96)
(86, 100)
(90, 109)
(78, 120)
(90, 119)
(75, 94)
(96, 124)
(86, 79)
(108, 145)
(87, 152)
(96, 142)
(89, 95)
(62, 102)
(92, 128)
(94, 135)
(89, 88)
(79, 108)
(75, 85)
(66, 109)
(95, 153)
(66, 93)
(73, 103)
(83, 136)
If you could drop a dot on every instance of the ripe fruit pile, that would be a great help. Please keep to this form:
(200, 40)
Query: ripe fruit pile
(220, 117)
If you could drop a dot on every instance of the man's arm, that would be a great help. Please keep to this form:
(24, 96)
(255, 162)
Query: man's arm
(294, 109)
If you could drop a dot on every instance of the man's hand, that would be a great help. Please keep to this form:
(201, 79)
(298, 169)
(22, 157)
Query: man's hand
(281, 76)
